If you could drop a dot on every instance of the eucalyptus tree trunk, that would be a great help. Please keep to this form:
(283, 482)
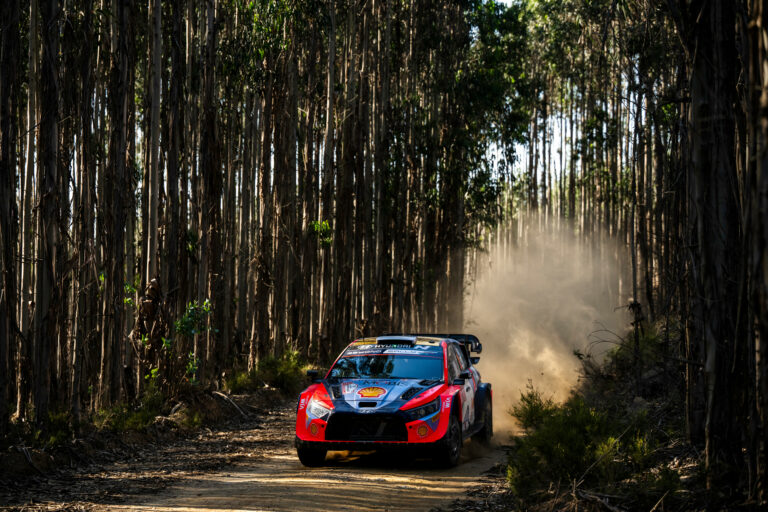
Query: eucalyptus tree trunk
(306, 307)
(290, 204)
(715, 266)
(211, 174)
(758, 79)
(244, 221)
(381, 169)
(25, 348)
(260, 346)
(83, 217)
(343, 226)
(175, 157)
(47, 292)
(113, 210)
(279, 262)
(9, 56)
(153, 212)
(327, 302)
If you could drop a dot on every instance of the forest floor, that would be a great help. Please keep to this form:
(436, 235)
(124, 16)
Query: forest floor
(250, 464)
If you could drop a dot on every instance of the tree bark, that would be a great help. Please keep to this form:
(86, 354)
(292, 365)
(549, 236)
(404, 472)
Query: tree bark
(9, 56)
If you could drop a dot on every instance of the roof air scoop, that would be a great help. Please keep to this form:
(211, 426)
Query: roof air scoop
(396, 340)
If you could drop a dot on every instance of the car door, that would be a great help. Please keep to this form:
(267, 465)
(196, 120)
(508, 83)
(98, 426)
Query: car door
(468, 390)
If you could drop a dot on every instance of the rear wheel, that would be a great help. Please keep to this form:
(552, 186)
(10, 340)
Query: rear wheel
(483, 436)
(311, 457)
(449, 451)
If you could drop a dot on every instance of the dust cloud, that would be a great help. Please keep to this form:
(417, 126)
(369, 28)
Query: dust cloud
(532, 305)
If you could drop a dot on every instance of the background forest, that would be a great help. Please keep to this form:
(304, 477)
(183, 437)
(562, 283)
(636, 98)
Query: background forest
(292, 174)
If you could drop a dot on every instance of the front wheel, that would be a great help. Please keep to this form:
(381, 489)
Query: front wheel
(311, 457)
(449, 451)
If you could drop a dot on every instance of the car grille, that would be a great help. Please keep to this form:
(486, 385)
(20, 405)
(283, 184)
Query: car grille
(365, 427)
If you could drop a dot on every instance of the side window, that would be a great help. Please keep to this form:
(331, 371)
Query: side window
(462, 358)
(453, 365)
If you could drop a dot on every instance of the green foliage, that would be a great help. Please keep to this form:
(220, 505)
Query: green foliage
(130, 293)
(323, 232)
(532, 409)
(606, 435)
(194, 320)
(562, 442)
(58, 430)
(152, 375)
(123, 417)
(242, 382)
(193, 364)
(286, 373)
(191, 243)
(192, 419)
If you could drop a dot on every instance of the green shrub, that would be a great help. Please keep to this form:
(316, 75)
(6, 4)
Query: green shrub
(192, 419)
(561, 442)
(123, 417)
(57, 431)
(285, 373)
(242, 382)
(532, 409)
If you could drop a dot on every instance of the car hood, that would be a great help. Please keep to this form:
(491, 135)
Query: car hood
(375, 395)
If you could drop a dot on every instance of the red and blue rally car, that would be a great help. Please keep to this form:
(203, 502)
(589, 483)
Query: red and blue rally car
(417, 392)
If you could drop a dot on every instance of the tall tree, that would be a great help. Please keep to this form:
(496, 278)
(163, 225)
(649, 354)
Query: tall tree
(9, 87)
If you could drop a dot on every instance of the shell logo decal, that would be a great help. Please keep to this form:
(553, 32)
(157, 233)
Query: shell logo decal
(372, 392)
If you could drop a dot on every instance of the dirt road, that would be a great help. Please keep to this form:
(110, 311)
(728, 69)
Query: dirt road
(258, 470)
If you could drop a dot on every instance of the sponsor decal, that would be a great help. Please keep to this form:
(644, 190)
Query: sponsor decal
(313, 429)
(348, 387)
(446, 403)
(302, 403)
(435, 420)
(372, 392)
(423, 431)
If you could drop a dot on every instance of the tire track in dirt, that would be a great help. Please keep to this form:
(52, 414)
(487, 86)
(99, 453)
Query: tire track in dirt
(278, 482)
(258, 470)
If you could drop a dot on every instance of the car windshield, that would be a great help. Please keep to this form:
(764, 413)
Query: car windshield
(389, 366)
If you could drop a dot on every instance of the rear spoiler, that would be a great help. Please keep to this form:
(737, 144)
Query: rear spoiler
(470, 341)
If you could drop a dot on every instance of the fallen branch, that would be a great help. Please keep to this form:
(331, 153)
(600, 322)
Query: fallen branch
(225, 397)
(25, 451)
(597, 499)
(659, 502)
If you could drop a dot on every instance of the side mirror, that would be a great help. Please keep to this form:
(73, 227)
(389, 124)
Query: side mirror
(461, 379)
(312, 374)
(474, 360)
(478, 348)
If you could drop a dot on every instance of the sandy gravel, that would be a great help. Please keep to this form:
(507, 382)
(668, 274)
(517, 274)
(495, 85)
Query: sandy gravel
(252, 467)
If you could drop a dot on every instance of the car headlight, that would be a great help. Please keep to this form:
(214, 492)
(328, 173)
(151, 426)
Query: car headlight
(425, 410)
(317, 409)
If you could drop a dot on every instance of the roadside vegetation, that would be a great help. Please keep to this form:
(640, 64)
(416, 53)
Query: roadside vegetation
(189, 408)
(618, 440)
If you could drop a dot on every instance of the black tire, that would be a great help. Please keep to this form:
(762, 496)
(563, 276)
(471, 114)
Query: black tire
(483, 436)
(449, 450)
(311, 457)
